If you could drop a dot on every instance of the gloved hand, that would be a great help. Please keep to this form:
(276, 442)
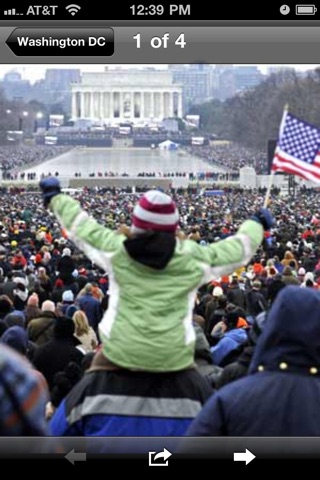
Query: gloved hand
(264, 216)
(50, 187)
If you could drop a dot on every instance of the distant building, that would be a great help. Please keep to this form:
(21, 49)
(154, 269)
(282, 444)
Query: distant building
(233, 80)
(278, 69)
(55, 88)
(134, 96)
(196, 83)
(15, 88)
(247, 77)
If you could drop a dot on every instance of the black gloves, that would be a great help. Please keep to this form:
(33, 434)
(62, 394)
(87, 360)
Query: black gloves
(50, 187)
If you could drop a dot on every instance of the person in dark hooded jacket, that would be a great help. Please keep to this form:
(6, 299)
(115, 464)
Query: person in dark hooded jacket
(280, 396)
(66, 266)
(17, 338)
(54, 356)
(240, 367)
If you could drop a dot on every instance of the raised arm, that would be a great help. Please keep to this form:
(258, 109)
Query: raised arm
(225, 256)
(95, 240)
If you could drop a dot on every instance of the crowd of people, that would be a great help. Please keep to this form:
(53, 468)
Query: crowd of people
(229, 156)
(59, 300)
(13, 158)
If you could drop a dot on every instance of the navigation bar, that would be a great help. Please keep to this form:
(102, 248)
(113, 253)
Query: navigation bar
(160, 44)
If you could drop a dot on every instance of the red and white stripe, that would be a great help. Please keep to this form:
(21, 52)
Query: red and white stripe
(283, 162)
(155, 211)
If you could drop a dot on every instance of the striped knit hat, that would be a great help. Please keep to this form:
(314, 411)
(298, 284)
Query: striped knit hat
(155, 211)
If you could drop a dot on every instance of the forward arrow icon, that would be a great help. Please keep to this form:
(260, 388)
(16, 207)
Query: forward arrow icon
(246, 456)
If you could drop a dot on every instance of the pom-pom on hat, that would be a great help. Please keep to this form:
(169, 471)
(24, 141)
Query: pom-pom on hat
(155, 211)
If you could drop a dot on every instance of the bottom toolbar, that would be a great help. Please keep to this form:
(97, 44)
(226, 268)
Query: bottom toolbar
(160, 450)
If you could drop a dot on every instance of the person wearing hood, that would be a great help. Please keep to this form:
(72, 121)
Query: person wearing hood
(54, 356)
(20, 293)
(289, 257)
(283, 377)
(154, 275)
(309, 281)
(65, 266)
(17, 338)
(288, 277)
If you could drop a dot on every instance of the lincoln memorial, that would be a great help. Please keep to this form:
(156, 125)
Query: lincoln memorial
(126, 96)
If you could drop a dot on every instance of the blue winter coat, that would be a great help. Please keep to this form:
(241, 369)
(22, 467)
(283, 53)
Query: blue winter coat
(92, 308)
(229, 342)
(281, 394)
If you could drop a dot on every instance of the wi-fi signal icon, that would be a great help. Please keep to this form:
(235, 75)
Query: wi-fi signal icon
(73, 9)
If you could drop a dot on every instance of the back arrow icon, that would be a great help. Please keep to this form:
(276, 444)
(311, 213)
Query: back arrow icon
(72, 457)
(246, 456)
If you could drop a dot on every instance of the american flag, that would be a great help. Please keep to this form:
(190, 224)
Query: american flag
(298, 149)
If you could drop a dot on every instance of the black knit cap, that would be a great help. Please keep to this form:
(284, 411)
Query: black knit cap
(64, 327)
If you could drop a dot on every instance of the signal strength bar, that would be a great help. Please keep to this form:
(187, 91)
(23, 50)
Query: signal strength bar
(11, 12)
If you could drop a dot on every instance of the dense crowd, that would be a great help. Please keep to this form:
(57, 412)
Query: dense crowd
(52, 297)
(207, 176)
(228, 156)
(14, 158)
(231, 156)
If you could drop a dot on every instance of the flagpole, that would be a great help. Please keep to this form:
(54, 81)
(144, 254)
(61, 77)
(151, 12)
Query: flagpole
(266, 198)
(271, 177)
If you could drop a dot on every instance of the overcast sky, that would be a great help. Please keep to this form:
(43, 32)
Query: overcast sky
(36, 72)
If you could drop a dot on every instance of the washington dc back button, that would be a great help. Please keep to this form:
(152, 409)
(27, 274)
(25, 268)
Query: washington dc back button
(56, 41)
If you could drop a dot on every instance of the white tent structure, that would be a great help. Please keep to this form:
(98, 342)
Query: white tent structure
(168, 145)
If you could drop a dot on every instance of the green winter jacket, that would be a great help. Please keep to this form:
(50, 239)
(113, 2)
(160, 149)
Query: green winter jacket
(148, 324)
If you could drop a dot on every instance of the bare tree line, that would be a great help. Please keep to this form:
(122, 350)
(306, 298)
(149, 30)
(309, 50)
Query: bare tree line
(253, 117)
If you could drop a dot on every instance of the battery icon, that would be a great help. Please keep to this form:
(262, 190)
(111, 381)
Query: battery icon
(305, 9)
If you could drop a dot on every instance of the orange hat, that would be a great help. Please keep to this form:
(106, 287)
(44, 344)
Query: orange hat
(242, 323)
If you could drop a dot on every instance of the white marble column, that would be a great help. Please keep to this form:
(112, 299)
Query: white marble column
(111, 106)
(82, 105)
(121, 105)
(94, 103)
(92, 106)
(166, 104)
(142, 108)
(74, 105)
(180, 105)
(131, 105)
(152, 105)
(157, 104)
(101, 113)
(86, 105)
(161, 106)
(90, 101)
(105, 104)
(171, 109)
